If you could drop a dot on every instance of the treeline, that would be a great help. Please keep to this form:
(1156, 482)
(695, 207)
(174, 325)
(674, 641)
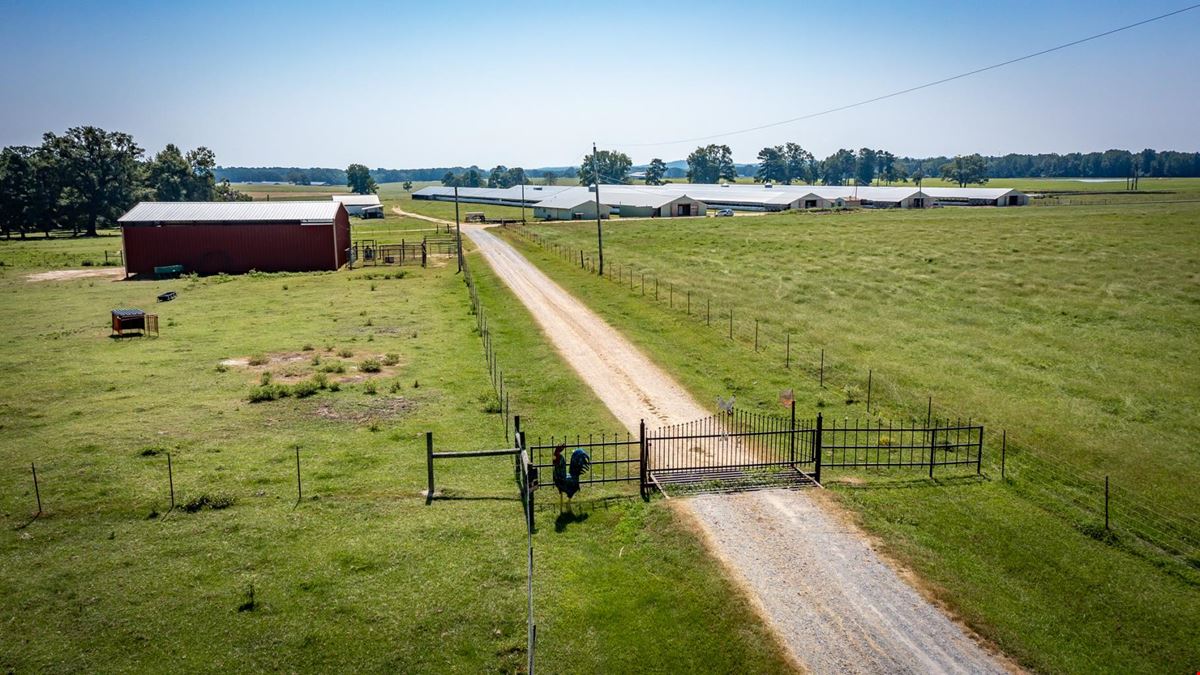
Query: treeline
(88, 177)
(1107, 164)
(303, 176)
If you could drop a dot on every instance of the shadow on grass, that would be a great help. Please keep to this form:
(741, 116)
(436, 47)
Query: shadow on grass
(566, 518)
(924, 482)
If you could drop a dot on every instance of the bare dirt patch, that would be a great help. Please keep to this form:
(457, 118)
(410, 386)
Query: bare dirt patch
(293, 366)
(67, 275)
(373, 409)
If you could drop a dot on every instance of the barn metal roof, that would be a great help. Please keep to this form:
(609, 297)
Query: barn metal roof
(969, 193)
(232, 212)
(569, 199)
(357, 200)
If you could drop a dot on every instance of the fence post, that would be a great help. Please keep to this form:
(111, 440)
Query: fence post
(37, 491)
(429, 464)
(1003, 450)
(1106, 502)
(979, 454)
(528, 468)
(932, 448)
(689, 303)
(299, 489)
(643, 284)
(671, 294)
(171, 482)
(656, 289)
(823, 370)
(929, 411)
(643, 455)
(708, 312)
(869, 373)
(730, 323)
(792, 436)
(756, 336)
(817, 451)
(787, 355)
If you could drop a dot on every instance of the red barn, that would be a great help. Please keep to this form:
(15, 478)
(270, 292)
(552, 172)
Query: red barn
(235, 237)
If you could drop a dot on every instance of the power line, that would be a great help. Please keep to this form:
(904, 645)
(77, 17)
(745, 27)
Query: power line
(915, 88)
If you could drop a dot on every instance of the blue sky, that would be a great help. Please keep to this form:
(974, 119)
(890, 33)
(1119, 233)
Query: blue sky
(434, 84)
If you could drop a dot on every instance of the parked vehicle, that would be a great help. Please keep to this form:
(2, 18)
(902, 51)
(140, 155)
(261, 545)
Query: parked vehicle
(724, 213)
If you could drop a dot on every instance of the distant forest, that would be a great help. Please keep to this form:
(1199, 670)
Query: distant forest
(1108, 164)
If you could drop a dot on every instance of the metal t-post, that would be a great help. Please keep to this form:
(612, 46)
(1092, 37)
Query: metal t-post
(457, 228)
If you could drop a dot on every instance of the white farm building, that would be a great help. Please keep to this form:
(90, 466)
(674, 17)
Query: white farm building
(689, 199)
(356, 204)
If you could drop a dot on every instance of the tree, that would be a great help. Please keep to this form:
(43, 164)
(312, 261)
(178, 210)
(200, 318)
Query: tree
(613, 167)
(498, 178)
(516, 176)
(886, 162)
(224, 192)
(18, 187)
(837, 168)
(549, 178)
(298, 177)
(772, 166)
(864, 167)
(800, 164)
(450, 180)
(358, 179)
(472, 178)
(918, 175)
(655, 172)
(711, 164)
(168, 175)
(99, 171)
(407, 186)
(965, 169)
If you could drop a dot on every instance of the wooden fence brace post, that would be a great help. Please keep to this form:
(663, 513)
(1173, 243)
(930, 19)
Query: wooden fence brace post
(817, 451)
(1106, 502)
(1003, 450)
(932, 447)
(299, 489)
(171, 482)
(37, 491)
(429, 464)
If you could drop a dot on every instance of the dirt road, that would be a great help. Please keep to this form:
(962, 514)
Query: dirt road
(836, 605)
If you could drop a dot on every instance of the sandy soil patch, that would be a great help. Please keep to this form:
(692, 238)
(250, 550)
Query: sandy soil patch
(294, 366)
(67, 275)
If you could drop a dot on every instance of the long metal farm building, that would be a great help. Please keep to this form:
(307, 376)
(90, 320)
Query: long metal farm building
(694, 199)
(235, 237)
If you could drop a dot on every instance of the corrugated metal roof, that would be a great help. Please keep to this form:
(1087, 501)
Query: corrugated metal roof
(968, 193)
(357, 200)
(239, 212)
(569, 199)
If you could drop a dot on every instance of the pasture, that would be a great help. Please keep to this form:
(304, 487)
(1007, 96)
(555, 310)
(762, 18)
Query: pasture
(360, 575)
(1072, 328)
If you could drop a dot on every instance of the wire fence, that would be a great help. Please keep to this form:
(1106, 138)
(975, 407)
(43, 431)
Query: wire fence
(1072, 490)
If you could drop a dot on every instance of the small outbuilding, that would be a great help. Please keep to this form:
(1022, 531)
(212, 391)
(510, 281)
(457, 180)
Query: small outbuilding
(357, 204)
(235, 237)
(570, 205)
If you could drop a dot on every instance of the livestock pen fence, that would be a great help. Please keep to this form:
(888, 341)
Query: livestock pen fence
(370, 253)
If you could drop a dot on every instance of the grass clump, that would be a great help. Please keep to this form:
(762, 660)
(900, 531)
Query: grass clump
(305, 388)
(370, 366)
(333, 367)
(258, 360)
(345, 353)
(370, 388)
(852, 393)
(215, 502)
(391, 359)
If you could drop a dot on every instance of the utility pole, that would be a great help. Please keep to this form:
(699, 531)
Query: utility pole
(457, 228)
(599, 232)
(522, 198)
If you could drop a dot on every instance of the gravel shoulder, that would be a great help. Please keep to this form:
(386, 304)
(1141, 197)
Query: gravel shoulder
(835, 604)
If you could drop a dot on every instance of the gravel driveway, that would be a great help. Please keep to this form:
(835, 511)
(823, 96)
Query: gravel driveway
(834, 603)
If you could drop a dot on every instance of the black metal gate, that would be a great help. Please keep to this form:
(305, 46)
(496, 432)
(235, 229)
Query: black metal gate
(733, 450)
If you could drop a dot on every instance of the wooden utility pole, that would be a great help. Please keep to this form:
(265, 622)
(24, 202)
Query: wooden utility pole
(599, 231)
(457, 228)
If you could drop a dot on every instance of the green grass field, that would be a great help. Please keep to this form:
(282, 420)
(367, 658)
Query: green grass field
(359, 576)
(1072, 328)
